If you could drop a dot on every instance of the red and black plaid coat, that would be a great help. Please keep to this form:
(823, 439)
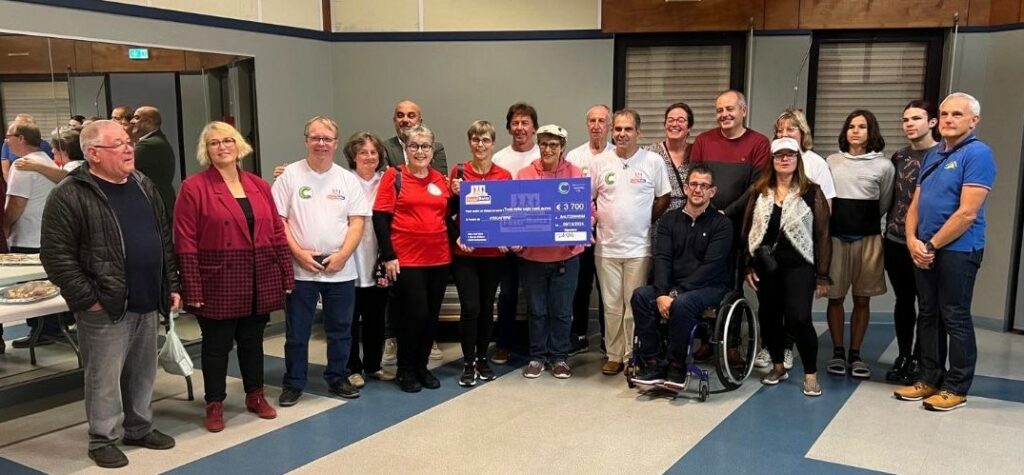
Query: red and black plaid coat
(220, 264)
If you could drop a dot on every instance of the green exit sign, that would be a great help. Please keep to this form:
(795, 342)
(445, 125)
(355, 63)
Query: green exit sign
(138, 53)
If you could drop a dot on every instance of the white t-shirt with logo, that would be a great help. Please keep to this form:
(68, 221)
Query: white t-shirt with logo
(316, 207)
(35, 188)
(625, 191)
(583, 159)
(514, 161)
(366, 254)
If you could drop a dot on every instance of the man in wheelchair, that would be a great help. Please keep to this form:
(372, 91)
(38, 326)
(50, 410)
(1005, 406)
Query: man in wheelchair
(692, 272)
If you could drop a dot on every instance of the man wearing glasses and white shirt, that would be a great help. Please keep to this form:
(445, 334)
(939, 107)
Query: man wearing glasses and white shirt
(324, 210)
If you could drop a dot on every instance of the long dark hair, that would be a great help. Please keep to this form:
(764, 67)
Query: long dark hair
(769, 177)
(931, 112)
(875, 142)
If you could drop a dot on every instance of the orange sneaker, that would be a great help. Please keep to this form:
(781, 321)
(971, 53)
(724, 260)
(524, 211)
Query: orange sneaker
(945, 401)
(917, 392)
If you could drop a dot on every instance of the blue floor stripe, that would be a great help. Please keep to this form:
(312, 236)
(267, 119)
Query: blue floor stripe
(8, 467)
(997, 388)
(380, 406)
(773, 430)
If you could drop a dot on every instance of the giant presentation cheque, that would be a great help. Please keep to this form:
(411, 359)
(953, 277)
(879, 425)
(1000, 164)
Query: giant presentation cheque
(550, 212)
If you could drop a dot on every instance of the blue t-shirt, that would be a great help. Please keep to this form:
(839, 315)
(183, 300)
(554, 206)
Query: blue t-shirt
(5, 153)
(970, 163)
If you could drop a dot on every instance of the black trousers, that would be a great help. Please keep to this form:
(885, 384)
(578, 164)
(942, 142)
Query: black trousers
(417, 304)
(785, 300)
(218, 338)
(900, 267)
(368, 328)
(581, 299)
(508, 302)
(477, 279)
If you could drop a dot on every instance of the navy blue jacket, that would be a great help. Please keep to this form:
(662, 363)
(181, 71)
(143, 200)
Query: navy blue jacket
(693, 253)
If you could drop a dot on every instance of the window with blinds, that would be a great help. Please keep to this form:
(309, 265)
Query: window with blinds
(881, 77)
(657, 76)
(46, 102)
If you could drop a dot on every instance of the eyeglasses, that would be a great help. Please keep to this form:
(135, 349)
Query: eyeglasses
(481, 140)
(676, 120)
(11, 135)
(700, 186)
(217, 143)
(416, 147)
(550, 145)
(117, 144)
(323, 140)
(783, 156)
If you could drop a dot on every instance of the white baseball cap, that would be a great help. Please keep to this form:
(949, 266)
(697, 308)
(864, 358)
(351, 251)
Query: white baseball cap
(552, 129)
(785, 143)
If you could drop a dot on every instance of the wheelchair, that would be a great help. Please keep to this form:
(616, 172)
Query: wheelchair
(731, 330)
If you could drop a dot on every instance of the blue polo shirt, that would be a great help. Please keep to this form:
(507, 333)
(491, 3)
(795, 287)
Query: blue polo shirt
(969, 163)
(5, 153)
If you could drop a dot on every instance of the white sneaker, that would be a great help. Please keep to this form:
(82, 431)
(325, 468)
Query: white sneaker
(436, 353)
(357, 380)
(787, 360)
(390, 352)
(763, 359)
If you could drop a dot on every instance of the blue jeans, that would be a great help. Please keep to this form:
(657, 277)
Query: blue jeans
(684, 313)
(338, 305)
(944, 299)
(549, 287)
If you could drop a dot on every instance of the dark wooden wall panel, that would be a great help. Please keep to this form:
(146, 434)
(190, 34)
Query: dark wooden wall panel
(83, 57)
(31, 54)
(994, 12)
(837, 14)
(781, 14)
(650, 16)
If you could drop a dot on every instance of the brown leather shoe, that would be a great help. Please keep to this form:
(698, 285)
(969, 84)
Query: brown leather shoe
(611, 368)
(917, 392)
(734, 357)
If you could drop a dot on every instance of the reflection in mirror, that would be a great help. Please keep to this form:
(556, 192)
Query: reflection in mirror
(55, 79)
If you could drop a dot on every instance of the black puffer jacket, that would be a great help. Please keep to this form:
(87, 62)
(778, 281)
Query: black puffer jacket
(82, 248)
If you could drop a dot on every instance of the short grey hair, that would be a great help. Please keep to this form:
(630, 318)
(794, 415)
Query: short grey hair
(971, 101)
(91, 133)
(741, 99)
(586, 115)
(419, 130)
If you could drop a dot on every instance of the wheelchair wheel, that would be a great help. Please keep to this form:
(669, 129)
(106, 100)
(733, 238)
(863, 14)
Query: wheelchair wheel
(705, 389)
(736, 333)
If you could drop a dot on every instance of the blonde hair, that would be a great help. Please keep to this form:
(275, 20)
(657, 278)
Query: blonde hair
(326, 121)
(241, 145)
(797, 118)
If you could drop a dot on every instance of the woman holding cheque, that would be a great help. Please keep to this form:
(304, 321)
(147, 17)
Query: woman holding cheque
(477, 271)
(549, 273)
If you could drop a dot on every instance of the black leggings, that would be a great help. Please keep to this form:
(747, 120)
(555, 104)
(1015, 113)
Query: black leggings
(476, 278)
(900, 268)
(785, 307)
(418, 295)
(218, 338)
(368, 327)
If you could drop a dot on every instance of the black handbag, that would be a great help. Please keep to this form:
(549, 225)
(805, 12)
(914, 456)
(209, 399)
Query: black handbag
(380, 274)
(764, 259)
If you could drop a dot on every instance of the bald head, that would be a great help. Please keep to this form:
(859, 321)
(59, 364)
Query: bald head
(145, 120)
(407, 115)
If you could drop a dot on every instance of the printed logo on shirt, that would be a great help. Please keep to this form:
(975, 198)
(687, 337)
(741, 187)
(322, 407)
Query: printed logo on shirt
(433, 189)
(336, 194)
(305, 192)
(638, 178)
(478, 195)
(951, 165)
(609, 177)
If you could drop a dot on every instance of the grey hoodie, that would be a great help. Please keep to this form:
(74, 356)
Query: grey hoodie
(863, 192)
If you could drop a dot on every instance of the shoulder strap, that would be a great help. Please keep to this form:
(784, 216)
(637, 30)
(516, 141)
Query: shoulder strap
(398, 181)
(671, 164)
(459, 172)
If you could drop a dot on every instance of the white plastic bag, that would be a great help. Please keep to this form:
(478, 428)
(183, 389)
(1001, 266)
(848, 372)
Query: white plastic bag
(173, 357)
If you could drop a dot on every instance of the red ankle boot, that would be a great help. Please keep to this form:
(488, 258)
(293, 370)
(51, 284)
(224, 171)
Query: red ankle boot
(256, 402)
(215, 416)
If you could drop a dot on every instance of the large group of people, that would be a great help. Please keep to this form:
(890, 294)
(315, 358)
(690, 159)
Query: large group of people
(677, 226)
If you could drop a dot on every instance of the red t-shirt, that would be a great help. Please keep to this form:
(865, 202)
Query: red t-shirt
(736, 164)
(419, 234)
(469, 174)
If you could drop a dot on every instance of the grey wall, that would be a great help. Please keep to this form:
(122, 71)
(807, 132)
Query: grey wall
(779, 66)
(294, 77)
(194, 116)
(458, 82)
(88, 96)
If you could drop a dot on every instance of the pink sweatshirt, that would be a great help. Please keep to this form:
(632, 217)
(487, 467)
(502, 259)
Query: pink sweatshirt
(535, 171)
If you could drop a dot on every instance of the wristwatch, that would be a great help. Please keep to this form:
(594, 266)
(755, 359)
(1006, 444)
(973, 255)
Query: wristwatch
(673, 293)
(928, 246)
